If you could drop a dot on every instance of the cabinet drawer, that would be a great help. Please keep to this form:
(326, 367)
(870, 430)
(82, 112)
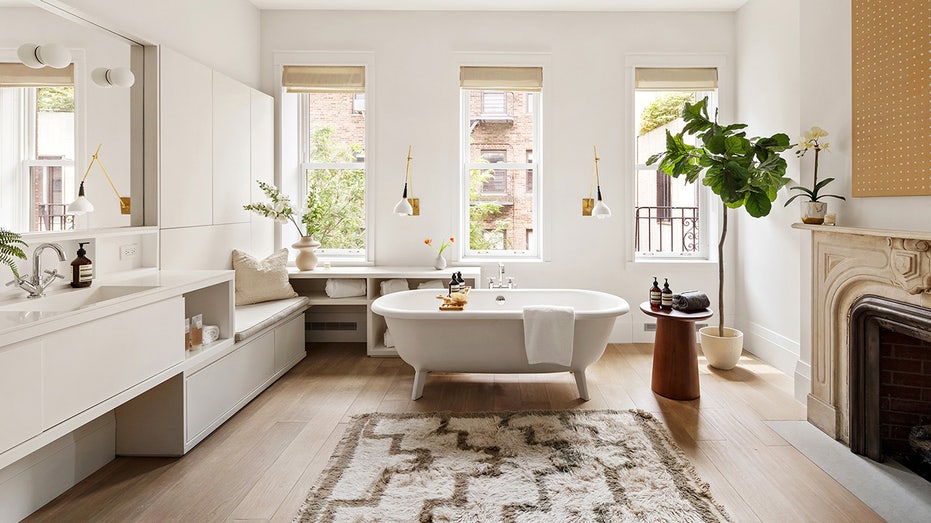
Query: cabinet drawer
(20, 393)
(289, 343)
(91, 362)
(218, 387)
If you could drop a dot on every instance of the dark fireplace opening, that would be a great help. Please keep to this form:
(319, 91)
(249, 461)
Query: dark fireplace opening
(905, 400)
(890, 382)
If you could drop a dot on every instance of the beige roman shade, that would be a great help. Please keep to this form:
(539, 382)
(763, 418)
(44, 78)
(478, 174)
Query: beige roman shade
(501, 78)
(18, 75)
(324, 78)
(676, 78)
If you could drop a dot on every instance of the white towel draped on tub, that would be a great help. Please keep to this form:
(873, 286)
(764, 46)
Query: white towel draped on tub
(548, 332)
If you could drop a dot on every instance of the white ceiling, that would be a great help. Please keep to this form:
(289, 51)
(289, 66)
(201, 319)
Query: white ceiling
(504, 5)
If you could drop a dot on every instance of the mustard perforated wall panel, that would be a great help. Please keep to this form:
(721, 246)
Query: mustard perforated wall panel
(891, 97)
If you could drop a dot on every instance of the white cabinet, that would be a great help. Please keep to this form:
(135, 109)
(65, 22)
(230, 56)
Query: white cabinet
(20, 393)
(186, 139)
(232, 138)
(263, 167)
(89, 363)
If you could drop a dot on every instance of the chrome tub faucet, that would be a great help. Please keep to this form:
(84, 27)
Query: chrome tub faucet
(500, 282)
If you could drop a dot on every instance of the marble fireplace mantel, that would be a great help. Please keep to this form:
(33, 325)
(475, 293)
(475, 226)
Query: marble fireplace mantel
(848, 263)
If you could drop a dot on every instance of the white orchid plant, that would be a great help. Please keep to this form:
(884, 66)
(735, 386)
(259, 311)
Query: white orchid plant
(279, 208)
(813, 139)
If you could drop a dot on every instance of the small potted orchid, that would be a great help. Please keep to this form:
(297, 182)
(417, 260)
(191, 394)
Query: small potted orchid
(813, 210)
(279, 208)
(440, 262)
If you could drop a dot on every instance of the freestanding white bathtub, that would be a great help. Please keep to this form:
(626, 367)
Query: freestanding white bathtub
(488, 336)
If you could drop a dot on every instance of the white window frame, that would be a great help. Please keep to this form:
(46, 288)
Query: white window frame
(532, 252)
(709, 210)
(293, 169)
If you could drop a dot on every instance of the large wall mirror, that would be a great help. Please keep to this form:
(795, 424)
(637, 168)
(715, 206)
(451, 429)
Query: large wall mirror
(52, 121)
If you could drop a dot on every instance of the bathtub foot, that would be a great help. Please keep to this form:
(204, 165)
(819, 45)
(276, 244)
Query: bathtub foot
(420, 376)
(581, 384)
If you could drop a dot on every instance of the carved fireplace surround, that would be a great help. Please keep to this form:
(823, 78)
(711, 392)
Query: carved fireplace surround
(847, 264)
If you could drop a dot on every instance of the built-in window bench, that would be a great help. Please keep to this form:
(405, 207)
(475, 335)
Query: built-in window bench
(358, 309)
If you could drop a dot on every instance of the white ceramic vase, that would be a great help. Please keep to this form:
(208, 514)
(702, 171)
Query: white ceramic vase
(439, 263)
(722, 352)
(306, 257)
(813, 212)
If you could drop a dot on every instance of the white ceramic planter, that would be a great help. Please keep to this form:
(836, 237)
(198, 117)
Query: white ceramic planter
(306, 258)
(813, 212)
(722, 352)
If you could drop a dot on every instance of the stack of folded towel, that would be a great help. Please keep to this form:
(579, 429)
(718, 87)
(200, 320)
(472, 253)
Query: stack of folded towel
(690, 301)
(432, 284)
(344, 287)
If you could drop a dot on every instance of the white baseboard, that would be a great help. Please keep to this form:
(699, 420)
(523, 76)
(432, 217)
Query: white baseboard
(28, 484)
(772, 347)
(802, 381)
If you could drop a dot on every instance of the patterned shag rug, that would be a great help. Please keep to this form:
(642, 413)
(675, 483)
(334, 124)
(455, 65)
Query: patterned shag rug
(559, 466)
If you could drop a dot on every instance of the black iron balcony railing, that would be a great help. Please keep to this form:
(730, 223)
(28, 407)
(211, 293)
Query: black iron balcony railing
(667, 230)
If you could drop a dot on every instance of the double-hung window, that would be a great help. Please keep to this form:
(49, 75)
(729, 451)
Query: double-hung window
(668, 213)
(330, 127)
(500, 123)
(37, 161)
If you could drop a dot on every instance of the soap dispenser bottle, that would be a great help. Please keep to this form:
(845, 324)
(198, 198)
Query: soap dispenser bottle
(667, 296)
(656, 296)
(82, 269)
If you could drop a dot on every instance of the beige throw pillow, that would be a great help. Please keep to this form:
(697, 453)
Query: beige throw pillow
(265, 280)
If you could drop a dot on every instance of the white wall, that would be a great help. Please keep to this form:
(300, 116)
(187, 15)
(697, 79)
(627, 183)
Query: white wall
(768, 270)
(222, 34)
(413, 98)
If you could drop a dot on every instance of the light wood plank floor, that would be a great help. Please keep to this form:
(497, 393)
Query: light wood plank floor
(261, 463)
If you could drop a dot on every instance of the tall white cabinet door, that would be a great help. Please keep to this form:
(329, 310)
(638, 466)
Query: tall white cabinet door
(263, 168)
(186, 123)
(232, 114)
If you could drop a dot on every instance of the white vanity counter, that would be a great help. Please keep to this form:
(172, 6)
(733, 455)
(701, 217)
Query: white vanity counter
(24, 318)
(75, 354)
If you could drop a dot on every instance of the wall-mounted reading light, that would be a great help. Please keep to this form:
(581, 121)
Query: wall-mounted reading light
(39, 56)
(591, 206)
(408, 206)
(116, 77)
(81, 205)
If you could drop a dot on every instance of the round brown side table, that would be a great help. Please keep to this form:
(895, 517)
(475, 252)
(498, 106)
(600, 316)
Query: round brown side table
(675, 355)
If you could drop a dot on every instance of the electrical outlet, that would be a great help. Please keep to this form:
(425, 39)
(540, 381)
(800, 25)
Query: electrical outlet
(128, 251)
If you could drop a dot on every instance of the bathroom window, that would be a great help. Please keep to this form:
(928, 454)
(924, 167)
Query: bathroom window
(501, 200)
(668, 213)
(330, 129)
(37, 171)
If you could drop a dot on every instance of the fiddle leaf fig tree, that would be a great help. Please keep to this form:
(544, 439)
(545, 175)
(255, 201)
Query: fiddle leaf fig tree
(743, 172)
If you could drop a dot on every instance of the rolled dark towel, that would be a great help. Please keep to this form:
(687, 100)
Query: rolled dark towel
(690, 301)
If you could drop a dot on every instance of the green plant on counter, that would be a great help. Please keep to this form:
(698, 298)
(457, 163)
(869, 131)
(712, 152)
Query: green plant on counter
(744, 172)
(11, 247)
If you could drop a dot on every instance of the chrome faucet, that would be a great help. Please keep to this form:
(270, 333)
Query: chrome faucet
(500, 282)
(35, 285)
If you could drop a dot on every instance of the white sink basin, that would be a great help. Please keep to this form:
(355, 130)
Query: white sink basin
(74, 299)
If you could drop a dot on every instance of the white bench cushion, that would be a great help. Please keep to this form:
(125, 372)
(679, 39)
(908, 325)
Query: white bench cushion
(252, 319)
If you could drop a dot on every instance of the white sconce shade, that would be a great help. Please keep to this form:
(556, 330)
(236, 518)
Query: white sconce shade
(116, 77)
(81, 205)
(39, 56)
(408, 206)
(403, 207)
(590, 206)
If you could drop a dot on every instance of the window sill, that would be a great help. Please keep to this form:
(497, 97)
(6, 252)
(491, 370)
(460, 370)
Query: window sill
(674, 262)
